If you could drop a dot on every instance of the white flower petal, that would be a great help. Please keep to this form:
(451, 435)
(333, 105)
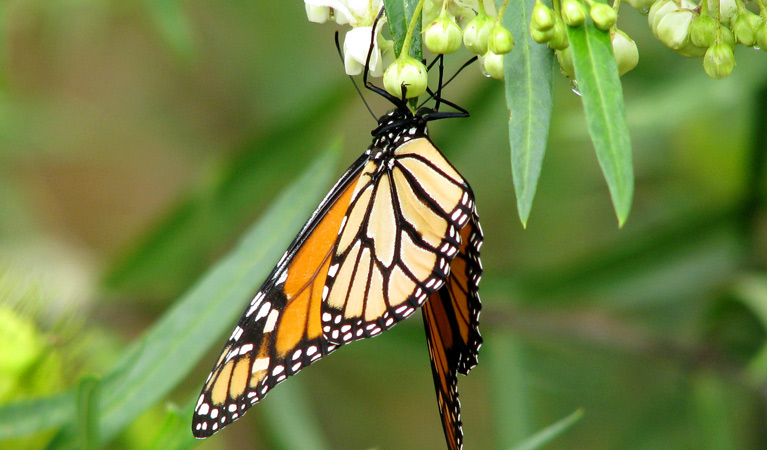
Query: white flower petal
(342, 13)
(357, 47)
(317, 14)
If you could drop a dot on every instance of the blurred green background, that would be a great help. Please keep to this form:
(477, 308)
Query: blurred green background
(140, 140)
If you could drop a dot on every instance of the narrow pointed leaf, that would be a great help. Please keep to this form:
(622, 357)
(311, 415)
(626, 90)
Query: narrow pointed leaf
(88, 393)
(528, 97)
(549, 433)
(600, 87)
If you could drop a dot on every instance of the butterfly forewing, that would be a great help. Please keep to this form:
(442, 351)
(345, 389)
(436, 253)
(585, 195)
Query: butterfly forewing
(280, 331)
(398, 238)
(451, 319)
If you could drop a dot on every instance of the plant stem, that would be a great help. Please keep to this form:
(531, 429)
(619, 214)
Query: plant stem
(411, 29)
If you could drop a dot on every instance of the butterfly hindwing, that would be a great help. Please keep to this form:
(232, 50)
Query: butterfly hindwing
(398, 238)
(451, 319)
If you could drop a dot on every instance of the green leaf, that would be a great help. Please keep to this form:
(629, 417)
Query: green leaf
(175, 434)
(509, 388)
(88, 392)
(31, 416)
(291, 421)
(548, 434)
(600, 88)
(175, 344)
(398, 14)
(712, 400)
(178, 249)
(528, 71)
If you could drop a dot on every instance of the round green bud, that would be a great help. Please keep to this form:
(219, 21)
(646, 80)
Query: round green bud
(674, 28)
(761, 37)
(542, 18)
(559, 41)
(743, 31)
(408, 72)
(643, 6)
(573, 12)
(501, 41)
(725, 35)
(755, 20)
(493, 65)
(565, 58)
(443, 36)
(719, 60)
(477, 34)
(702, 31)
(625, 52)
(603, 15)
(541, 37)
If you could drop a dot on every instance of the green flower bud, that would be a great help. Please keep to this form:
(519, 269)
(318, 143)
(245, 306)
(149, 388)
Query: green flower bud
(409, 72)
(725, 35)
(743, 31)
(542, 18)
(761, 37)
(755, 20)
(559, 41)
(642, 6)
(501, 41)
(493, 65)
(625, 52)
(674, 28)
(603, 15)
(573, 12)
(719, 60)
(541, 37)
(477, 33)
(565, 58)
(702, 31)
(443, 36)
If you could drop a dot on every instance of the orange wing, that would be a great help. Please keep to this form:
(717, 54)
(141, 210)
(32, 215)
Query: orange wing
(280, 331)
(451, 319)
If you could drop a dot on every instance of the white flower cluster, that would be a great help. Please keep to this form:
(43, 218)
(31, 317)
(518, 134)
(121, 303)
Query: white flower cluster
(360, 15)
(446, 25)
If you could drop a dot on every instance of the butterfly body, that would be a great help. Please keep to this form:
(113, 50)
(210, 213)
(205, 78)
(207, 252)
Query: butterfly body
(380, 245)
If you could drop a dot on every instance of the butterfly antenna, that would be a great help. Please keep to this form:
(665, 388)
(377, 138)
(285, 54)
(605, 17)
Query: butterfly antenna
(354, 83)
(372, 45)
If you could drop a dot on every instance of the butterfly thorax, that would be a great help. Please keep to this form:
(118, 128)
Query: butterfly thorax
(395, 128)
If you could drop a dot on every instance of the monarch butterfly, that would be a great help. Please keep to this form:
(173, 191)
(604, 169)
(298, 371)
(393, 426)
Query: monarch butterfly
(397, 231)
